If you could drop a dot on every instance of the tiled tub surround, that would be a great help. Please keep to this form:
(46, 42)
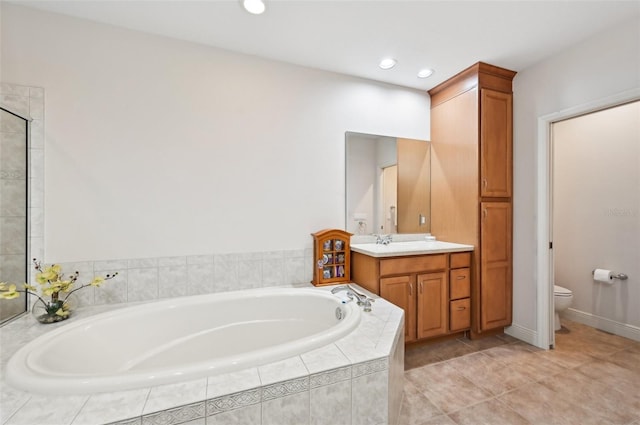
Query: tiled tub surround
(356, 380)
(149, 279)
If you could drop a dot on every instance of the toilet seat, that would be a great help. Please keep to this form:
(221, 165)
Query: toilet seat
(559, 291)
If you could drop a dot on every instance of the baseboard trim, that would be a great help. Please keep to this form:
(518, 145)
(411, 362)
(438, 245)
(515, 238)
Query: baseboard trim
(523, 334)
(602, 323)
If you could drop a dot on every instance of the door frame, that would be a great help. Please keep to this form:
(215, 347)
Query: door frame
(544, 255)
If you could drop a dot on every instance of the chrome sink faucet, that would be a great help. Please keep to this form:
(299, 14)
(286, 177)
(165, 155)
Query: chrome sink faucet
(362, 299)
(383, 239)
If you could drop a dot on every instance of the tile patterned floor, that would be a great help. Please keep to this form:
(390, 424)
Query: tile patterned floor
(592, 377)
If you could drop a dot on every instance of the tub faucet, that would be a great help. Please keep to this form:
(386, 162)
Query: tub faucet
(362, 299)
(383, 239)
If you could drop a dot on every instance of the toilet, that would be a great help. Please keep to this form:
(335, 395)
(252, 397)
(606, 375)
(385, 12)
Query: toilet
(562, 298)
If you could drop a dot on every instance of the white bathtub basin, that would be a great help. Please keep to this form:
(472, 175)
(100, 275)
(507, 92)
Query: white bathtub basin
(401, 248)
(180, 339)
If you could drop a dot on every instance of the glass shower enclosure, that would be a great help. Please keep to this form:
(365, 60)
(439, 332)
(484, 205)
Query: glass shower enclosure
(14, 142)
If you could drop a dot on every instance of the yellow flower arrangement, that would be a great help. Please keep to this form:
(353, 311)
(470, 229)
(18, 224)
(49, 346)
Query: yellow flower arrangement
(52, 283)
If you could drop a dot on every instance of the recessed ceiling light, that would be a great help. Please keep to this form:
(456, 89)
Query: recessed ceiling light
(387, 63)
(255, 7)
(424, 73)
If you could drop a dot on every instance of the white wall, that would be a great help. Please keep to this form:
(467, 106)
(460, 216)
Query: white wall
(602, 66)
(157, 147)
(596, 210)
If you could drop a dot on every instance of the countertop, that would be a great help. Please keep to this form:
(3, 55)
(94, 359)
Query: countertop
(405, 248)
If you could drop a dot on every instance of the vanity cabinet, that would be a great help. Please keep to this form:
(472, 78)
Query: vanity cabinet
(331, 257)
(420, 285)
(460, 292)
(471, 174)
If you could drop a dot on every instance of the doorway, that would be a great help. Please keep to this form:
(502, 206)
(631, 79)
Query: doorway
(545, 252)
(596, 214)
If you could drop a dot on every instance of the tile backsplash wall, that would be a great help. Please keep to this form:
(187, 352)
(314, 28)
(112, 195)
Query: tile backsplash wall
(156, 278)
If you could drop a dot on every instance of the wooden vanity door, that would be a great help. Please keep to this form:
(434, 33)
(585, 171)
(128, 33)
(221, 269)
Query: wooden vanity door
(495, 265)
(401, 291)
(433, 304)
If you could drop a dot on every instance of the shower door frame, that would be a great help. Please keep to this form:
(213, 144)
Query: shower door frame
(27, 120)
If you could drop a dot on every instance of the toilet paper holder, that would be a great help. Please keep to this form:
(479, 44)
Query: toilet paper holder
(619, 276)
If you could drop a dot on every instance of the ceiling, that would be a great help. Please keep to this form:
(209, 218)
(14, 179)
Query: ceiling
(350, 37)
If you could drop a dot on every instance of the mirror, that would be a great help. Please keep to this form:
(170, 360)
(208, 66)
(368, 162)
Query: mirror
(388, 184)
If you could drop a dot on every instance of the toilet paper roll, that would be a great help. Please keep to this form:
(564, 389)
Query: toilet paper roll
(604, 276)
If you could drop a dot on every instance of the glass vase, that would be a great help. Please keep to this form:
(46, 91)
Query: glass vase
(47, 312)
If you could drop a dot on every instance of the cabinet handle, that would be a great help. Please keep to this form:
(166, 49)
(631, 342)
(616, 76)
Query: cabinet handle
(484, 183)
(461, 277)
(410, 290)
(461, 308)
(485, 213)
(421, 287)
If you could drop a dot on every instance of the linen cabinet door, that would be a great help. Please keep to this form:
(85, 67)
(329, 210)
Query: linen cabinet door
(432, 304)
(496, 158)
(495, 265)
(400, 290)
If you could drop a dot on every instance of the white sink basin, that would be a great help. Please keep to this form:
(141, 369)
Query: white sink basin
(395, 249)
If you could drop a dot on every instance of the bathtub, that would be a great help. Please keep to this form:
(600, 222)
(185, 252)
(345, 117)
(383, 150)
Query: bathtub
(180, 339)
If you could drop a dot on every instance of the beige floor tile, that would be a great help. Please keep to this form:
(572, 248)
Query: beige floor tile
(537, 367)
(634, 347)
(454, 348)
(612, 375)
(507, 338)
(416, 408)
(420, 356)
(511, 353)
(489, 342)
(592, 377)
(440, 420)
(627, 359)
(490, 412)
(601, 400)
(540, 405)
(566, 357)
(489, 373)
(594, 343)
(446, 387)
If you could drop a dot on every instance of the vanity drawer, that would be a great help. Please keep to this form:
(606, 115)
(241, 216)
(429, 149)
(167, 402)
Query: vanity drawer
(459, 283)
(459, 315)
(404, 265)
(460, 259)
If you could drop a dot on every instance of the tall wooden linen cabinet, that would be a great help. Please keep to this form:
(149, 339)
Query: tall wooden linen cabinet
(471, 183)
